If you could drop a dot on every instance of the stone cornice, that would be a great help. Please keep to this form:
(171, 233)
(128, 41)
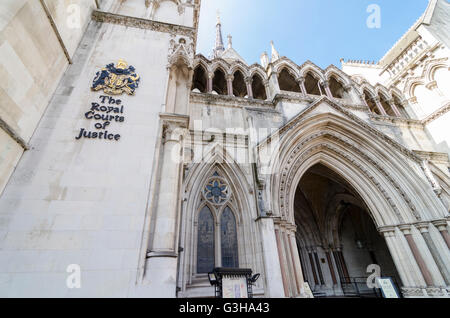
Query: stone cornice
(439, 157)
(106, 17)
(437, 114)
(229, 101)
(398, 121)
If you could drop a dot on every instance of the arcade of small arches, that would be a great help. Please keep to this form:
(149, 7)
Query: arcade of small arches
(238, 80)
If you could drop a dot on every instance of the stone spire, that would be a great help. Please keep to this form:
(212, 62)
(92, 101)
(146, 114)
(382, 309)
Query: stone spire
(275, 55)
(219, 48)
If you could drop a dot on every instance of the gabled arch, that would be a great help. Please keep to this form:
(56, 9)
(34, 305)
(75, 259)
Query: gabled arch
(339, 75)
(348, 148)
(313, 84)
(258, 87)
(220, 81)
(203, 61)
(255, 70)
(336, 87)
(200, 79)
(216, 159)
(286, 63)
(239, 66)
(384, 96)
(239, 84)
(288, 81)
(222, 64)
(312, 68)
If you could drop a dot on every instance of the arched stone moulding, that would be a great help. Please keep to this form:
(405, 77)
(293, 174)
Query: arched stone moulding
(242, 202)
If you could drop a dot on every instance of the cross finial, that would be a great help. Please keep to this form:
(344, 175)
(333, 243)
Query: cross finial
(218, 16)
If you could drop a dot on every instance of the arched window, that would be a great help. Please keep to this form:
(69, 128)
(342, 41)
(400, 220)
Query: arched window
(239, 86)
(387, 108)
(217, 234)
(258, 88)
(287, 82)
(336, 88)
(369, 100)
(200, 79)
(312, 85)
(228, 239)
(205, 242)
(220, 82)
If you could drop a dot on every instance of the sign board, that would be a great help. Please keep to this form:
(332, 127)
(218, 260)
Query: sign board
(387, 287)
(234, 287)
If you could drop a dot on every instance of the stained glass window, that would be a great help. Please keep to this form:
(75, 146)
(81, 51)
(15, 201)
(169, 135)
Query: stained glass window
(205, 242)
(228, 238)
(216, 191)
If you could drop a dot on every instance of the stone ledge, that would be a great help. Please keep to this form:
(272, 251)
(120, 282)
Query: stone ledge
(106, 17)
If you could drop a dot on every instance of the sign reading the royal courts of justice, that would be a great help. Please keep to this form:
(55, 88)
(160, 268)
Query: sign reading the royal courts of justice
(107, 110)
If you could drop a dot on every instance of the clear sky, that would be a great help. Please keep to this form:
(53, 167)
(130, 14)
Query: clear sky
(322, 31)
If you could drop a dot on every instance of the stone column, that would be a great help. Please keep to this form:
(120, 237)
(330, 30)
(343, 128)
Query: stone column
(423, 228)
(319, 269)
(313, 267)
(267, 88)
(330, 265)
(442, 225)
(297, 264)
(394, 108)
(281, 257)
(301, 83)
(230, 80)
(326, 85)
(248, 82)
(274, 277)
(161, 266)
(210, 82)
(274, 86)
(377, 101)
(406, 229)
(338, 265)
(343, 264)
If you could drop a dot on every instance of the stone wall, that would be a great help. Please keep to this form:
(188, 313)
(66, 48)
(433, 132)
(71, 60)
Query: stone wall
(37, 41)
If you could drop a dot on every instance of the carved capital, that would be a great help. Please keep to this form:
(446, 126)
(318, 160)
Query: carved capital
(173, 127)
(441, 225)
(405, 228)
(387, 231)
(422, 226)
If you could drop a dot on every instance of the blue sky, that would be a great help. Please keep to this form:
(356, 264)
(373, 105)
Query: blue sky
(322, 31)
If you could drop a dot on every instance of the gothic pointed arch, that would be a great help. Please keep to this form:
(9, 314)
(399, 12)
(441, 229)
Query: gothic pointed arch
(285, 63)
(387, 188)
(287, 80)
(219, 85)
(313, 84)
(217, 181)
(258, 87)
(200, 80)
(310, 67)
(239, 85)
(340, 76)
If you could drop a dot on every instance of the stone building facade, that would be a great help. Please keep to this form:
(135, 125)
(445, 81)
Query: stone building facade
(127, 156)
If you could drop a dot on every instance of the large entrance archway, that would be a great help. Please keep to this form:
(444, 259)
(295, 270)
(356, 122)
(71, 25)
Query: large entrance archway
(336, 236)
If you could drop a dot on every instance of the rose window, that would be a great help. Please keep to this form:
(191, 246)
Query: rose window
(216, 191)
